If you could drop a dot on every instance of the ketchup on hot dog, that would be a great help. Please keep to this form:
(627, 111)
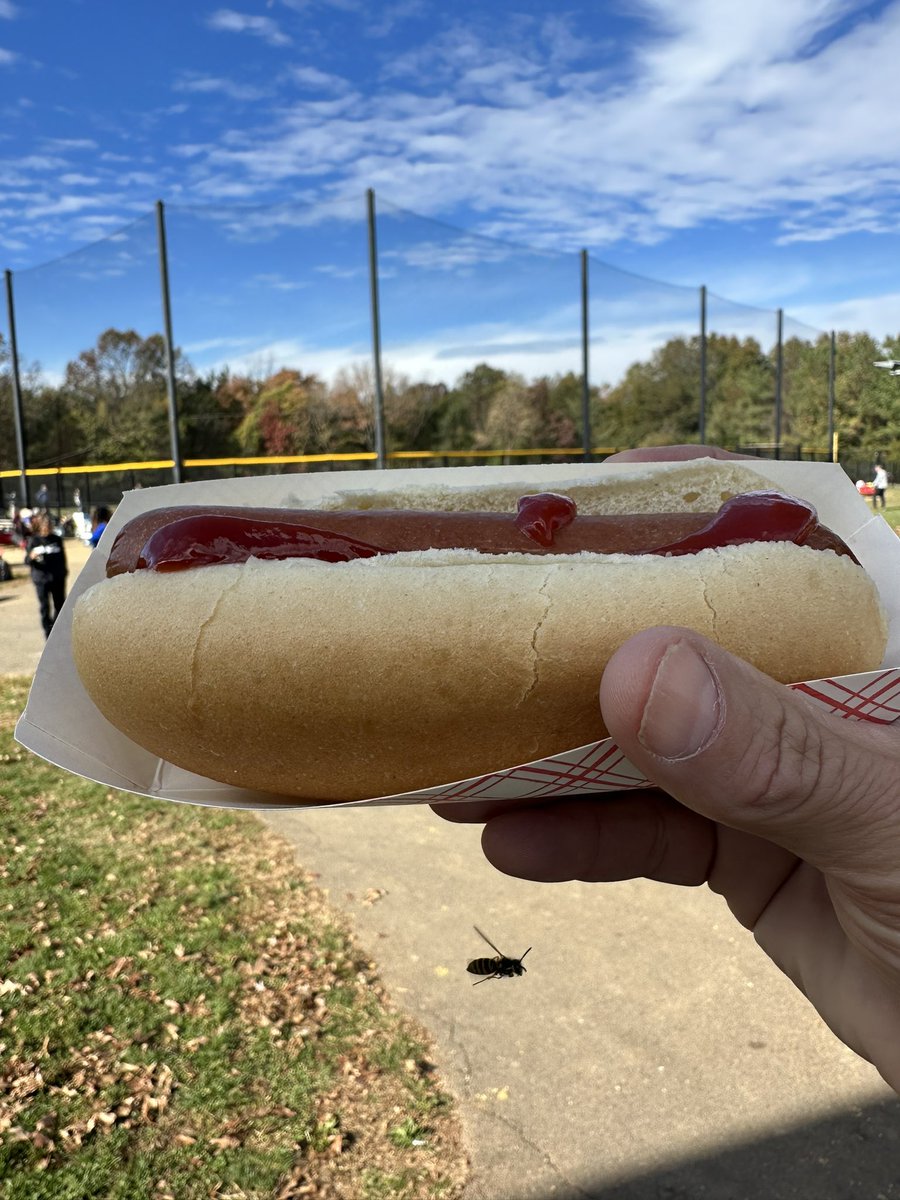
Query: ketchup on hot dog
(177, 539)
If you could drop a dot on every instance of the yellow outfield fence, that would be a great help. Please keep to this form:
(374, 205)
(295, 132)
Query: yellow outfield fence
(162, 464)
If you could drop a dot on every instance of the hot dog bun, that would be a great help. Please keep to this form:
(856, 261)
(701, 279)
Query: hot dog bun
(345, 681)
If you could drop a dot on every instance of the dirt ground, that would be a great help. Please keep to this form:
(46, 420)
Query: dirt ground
(22, 640)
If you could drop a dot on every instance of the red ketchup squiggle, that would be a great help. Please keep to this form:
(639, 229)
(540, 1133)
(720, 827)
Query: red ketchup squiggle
(211, 539)
(750, 517)
(539, 516)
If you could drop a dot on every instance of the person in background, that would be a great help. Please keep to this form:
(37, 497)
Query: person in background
(46, 555)
(880, 483)
(99, 523)
(24, 519)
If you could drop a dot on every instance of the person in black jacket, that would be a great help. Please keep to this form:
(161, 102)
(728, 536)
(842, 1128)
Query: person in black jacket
(46, 555)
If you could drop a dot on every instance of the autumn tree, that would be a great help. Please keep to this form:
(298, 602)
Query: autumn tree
(285, 415)
(867, 401)
(117, 392)
(466, 407)
(657, 403)
(558, 401)
(209, 412)
(740, 392)
(511, 419)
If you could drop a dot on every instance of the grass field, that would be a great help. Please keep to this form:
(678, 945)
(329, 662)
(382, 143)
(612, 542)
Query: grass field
(891, 512)
(181, 1016)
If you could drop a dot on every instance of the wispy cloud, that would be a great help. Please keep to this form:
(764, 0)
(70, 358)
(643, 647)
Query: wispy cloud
(226, 20)
(317, 80)
(278, 283)
(64, 144)
(223, 85)
(549, 136)
(878, 314)
(692, 126)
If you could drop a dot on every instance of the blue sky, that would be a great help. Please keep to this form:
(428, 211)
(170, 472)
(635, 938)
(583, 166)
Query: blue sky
(754, 148)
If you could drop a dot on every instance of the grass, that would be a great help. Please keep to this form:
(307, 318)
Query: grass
(891, 511)
(181, 1016)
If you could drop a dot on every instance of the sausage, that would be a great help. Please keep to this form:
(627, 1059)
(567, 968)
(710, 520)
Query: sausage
(401, 530)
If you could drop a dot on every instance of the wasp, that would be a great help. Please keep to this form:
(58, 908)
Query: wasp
(500, 967)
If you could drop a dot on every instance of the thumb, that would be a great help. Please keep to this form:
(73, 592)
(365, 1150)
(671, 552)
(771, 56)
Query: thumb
(739, 748)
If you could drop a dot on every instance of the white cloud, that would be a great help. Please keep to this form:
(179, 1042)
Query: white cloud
(45, 206)
(64, 144)
(221, 343)
(550, 346)
(224, 85)
(878, 315)
(226, 20)
(75, 179)
(547, 136)
(318, 80)
(772, 118)
(277, 283)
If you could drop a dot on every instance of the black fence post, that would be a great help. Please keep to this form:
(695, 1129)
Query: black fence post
(174, 438)
(376, 332)
(585, 362)
(701, 429)
(18, 414)
(779, 371)
(831, 365)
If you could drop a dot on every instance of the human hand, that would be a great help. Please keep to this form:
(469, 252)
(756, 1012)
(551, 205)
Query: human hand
(791, 815)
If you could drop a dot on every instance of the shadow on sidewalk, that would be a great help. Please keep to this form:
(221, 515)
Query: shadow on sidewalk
(855, 1154)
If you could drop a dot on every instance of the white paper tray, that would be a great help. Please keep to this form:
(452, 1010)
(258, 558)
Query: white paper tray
(62, 725)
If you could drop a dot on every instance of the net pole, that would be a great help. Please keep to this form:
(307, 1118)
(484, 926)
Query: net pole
(171, 391)
(779, 373)
(585, 362)
(701, 425)
(376, 332)
(18, 413)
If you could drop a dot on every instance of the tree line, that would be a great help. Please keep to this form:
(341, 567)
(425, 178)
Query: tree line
(111, 405)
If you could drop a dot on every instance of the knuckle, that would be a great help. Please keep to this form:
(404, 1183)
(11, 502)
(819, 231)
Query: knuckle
(794, 764)
(784, 764)
(656, 848)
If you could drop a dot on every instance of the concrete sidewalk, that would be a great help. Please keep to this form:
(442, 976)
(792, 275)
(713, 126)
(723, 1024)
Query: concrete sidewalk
(651, 1050)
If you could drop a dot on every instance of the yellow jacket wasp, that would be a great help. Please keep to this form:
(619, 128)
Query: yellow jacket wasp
(500, 967)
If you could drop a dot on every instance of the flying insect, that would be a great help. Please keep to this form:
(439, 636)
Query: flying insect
(500, 967)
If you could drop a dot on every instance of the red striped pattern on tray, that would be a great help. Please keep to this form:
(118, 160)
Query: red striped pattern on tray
(602, 767)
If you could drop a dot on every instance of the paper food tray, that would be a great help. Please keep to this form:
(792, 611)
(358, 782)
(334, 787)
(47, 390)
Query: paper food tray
(62, 725)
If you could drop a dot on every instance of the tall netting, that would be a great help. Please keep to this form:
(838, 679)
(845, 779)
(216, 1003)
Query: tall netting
(641, 329)
(748, 407)
(488, 335)
(271, 310)
(91, 359)
(807, 431)
(482, 353)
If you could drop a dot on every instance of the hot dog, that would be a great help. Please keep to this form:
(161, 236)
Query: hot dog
(170, 539)
(397, 647)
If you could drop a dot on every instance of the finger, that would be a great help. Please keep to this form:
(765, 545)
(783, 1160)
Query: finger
(603, 839)
(671, 454)
(737, 747)
(469, 812)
